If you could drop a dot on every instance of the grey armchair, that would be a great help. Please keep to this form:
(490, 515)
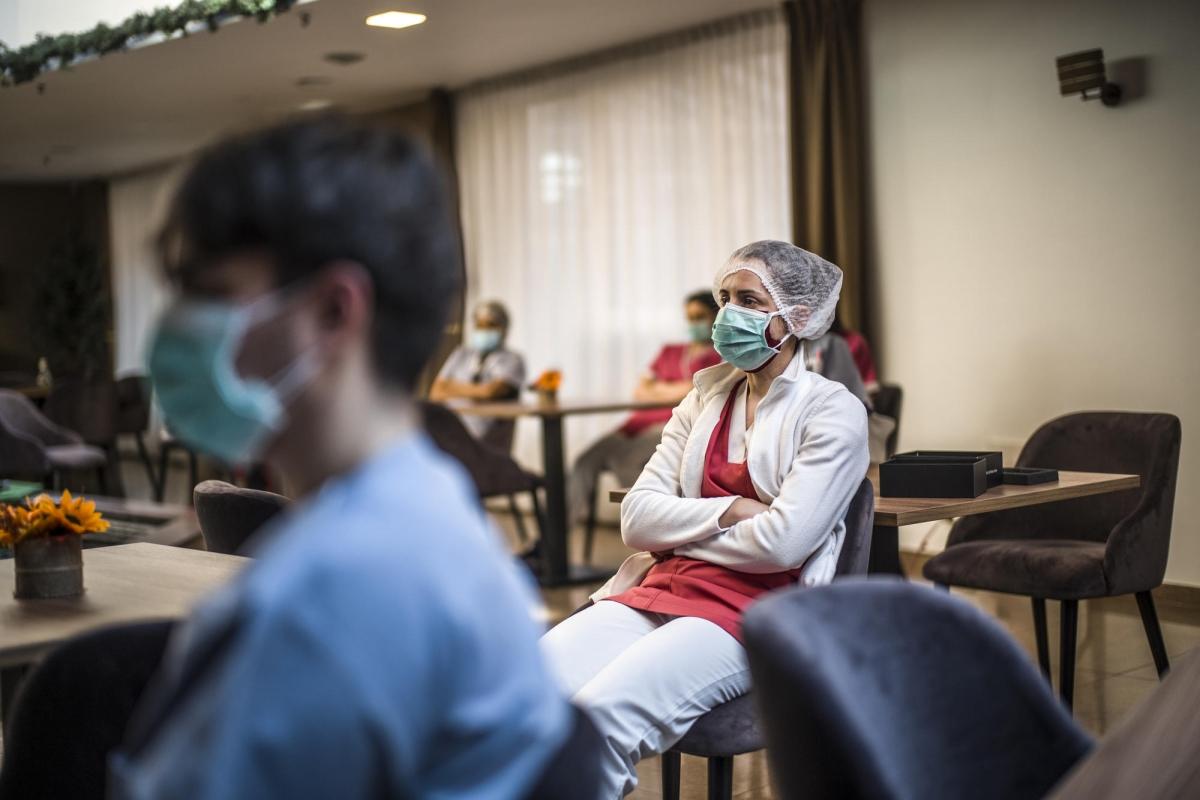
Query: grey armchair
(878, 689)
(1078, 549)
(33, 447)
(230, 515)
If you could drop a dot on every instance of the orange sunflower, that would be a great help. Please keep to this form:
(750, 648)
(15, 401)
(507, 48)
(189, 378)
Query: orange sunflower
(13, 523)
(75, 514)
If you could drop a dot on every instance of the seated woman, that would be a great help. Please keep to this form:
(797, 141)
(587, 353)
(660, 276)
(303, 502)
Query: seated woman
(626, 450)
(483, 369)
(747, 493)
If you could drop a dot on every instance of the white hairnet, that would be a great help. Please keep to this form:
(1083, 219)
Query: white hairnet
(803, 285)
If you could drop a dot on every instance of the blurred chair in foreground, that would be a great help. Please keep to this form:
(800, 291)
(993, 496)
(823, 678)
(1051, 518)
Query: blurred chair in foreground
(877, 688)
(1099, 546)
(33, 447)
(230, 515)
(71, 711)
(733, 728)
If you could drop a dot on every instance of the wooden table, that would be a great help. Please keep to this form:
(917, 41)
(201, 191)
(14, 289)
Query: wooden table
(893, 512)
(124, 583)
(556, 569)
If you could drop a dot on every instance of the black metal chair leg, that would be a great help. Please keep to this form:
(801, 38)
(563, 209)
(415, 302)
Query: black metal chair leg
(1039, 632)
(539, 518)
(589, 530)
(1154, 636)
(193, 470)
(720, 778)
(164, 464)
(1066, 674)
(518, 519)
(670, 775)
(144, 457)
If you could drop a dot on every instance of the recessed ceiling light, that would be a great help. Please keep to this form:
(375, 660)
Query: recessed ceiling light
(314, 105)
(395, 19)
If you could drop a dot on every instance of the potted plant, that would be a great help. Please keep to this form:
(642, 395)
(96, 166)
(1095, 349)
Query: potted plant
(45, 536)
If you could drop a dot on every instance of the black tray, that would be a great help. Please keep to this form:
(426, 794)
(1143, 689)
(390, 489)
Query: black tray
(1029, 476)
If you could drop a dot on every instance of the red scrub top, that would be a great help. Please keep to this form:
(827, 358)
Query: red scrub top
(673, 363)
(688, 587)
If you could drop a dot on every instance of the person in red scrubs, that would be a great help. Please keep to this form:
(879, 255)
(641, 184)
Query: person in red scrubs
(746, 493)
(626, 450)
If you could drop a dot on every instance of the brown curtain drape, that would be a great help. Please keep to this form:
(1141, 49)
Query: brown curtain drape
(829, 140)
(431, 122)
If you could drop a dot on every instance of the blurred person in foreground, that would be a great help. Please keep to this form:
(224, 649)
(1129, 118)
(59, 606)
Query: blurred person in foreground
(483, 369)
(381, 644)
(626, 450)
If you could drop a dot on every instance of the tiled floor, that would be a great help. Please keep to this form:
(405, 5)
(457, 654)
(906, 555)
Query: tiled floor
(1115, 669)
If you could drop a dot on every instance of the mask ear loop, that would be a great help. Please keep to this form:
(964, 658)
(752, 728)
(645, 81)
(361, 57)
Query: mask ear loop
(778, 345)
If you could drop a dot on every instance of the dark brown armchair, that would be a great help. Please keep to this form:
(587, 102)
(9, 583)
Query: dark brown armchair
(1099, 546)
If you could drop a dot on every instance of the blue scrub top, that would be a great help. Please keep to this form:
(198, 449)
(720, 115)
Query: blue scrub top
(382, 645)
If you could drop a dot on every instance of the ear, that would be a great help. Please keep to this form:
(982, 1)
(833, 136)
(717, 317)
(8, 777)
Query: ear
(346, 305)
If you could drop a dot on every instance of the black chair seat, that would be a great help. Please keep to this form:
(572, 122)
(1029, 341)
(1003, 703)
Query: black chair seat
(1061, 569)
(730, 729)
(75, 456)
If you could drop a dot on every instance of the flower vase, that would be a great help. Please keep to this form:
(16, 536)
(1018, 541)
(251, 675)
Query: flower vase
(48, 566)
(547, 397)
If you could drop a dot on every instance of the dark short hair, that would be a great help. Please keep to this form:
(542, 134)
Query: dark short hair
(705, 298)
(312, 192)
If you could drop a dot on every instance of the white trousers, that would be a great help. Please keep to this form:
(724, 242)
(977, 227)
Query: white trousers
(643, 679)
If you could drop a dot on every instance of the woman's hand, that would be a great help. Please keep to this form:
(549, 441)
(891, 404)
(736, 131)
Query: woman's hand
(742, 508)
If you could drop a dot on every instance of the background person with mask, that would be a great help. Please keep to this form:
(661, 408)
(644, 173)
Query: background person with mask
(626, 450)
(359, 655)
(483, 369)
(746, 493)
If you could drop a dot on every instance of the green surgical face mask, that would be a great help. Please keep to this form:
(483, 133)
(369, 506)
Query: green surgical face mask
(740, 336)
(206, 403)
(700, 332)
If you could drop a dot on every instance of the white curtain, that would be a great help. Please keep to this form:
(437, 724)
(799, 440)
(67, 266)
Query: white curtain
(136, 205)
(595, 197)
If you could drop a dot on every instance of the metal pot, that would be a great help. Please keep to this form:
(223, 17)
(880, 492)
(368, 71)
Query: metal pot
(49, 566)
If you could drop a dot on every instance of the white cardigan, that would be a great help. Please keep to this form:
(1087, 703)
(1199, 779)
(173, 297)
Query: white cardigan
(806, 459)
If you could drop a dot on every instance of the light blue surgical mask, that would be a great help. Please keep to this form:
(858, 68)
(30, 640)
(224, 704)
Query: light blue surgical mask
(206, 403)
(485, 341)
(740, 337)
(700, 332)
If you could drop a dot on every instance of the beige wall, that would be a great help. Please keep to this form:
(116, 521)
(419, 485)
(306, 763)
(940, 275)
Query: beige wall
(1037, 254)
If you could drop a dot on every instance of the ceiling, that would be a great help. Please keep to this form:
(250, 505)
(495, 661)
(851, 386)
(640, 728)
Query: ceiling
(130, 110)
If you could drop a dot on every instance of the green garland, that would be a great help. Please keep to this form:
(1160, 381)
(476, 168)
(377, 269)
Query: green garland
(26, 63)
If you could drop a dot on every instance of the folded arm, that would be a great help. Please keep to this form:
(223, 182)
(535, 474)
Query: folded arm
(819, 486)
(654, 515)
